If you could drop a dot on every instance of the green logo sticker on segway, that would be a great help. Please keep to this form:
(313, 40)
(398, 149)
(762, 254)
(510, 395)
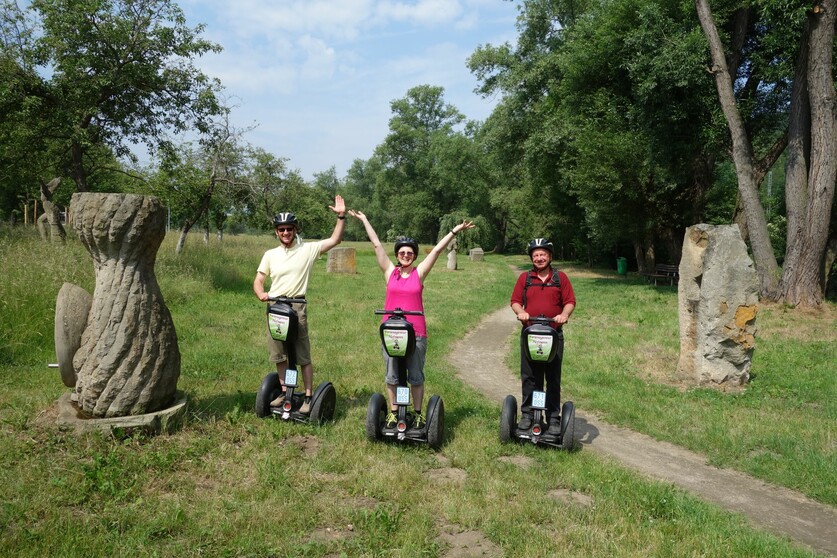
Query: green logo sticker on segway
(395, 342)
(278, 326)
(540, 346)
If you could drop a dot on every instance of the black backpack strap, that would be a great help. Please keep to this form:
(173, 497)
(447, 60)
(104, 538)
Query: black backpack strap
(556, 282)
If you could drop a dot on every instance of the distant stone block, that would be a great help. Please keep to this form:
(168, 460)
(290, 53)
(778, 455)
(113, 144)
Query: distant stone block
(341, 260)
(476, 254)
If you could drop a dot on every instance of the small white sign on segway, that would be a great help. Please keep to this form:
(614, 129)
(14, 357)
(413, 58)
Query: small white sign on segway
(395, 342)
(278, 325)
(402, 395)
(540, 346)
(539, 400)
(290, 377)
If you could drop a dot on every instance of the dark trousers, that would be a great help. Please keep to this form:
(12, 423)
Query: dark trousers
(532, 376)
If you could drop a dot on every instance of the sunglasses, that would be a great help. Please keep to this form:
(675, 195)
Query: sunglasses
(284, 229)
(406, 254)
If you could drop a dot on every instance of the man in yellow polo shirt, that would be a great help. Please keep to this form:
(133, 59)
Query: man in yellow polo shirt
(289, 267)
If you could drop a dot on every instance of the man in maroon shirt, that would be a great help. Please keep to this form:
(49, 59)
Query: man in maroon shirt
(542, 291)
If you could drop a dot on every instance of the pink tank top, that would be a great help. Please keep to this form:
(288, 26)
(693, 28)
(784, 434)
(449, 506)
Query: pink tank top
(407, 295)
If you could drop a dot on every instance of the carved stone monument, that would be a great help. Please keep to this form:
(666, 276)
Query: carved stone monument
(718, 303)
(49, 224)
(127, 362)
(341, 260)
(452, 264)
(476, 254)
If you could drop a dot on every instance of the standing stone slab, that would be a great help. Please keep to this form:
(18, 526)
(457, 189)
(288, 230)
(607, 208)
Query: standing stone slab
(718, 303)
(128, 362)
(341, 260)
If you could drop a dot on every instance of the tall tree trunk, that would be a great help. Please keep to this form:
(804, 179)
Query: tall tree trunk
(203, 207)
(500, 245)
(77, 167)
(742, 153)
(812, 161)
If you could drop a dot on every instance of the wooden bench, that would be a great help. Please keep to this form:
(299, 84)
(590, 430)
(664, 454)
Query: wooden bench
(664, 273)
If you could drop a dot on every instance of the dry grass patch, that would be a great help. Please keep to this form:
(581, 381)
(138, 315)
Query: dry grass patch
(797, 324)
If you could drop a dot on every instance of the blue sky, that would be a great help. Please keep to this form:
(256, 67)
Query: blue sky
(318, 76)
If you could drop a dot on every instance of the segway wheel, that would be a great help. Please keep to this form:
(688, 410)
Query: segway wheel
(508, 419)
(375, 416)
(268, 391)
(322, 403)
(568, 426)
(435, 422)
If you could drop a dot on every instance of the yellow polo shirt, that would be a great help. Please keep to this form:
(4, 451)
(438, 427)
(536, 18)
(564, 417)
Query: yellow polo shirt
(289, 268)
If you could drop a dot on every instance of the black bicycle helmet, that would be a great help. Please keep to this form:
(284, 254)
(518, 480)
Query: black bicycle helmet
(285, 218)
(541, 243)
(402, 241)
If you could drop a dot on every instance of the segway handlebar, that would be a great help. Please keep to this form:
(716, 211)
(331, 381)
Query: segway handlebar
(286, 299)
(399, 312)
(543, 320)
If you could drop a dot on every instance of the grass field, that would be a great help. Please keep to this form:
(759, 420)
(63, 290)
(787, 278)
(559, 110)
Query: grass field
(230, 484)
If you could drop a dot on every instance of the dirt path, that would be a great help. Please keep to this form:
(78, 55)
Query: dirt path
(482, 354)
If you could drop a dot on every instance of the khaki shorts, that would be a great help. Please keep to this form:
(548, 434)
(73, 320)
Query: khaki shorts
(276, 349)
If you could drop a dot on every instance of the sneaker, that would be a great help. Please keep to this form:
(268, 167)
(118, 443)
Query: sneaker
(419, 420)
(305, 408)
(278, 401)
(391, 420)
(525, 422)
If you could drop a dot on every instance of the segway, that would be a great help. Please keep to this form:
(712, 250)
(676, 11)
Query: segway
(539, 343)
(399, 341)
(282, 322)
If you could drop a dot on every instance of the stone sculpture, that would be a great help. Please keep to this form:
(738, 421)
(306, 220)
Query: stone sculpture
(49, 223)
(128, 361)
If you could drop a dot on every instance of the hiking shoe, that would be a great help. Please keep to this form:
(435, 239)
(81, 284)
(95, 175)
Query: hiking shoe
(391, 420)
(278, 401)
(525, 422)
(305, 408)
(554, 427)
(419, 421)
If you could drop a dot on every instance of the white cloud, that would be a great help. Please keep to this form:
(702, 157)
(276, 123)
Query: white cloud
(319, 75)
(424, 12)
(319, 58)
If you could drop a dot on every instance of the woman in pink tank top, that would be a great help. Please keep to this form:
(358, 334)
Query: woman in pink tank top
(405, 285)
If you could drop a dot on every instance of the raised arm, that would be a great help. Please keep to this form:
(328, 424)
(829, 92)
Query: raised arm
(427, 263)
(384, 262)
(336, 237)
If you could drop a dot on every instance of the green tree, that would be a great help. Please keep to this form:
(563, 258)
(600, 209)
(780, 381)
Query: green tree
(412, 189)
(267, 175)
(190, 178)
(359, 187)
(603, 116)
(86, 75)
(787, 52)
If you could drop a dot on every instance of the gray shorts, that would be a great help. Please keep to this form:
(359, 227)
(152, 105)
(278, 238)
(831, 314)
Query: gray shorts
(415, 365)
(276, 349)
